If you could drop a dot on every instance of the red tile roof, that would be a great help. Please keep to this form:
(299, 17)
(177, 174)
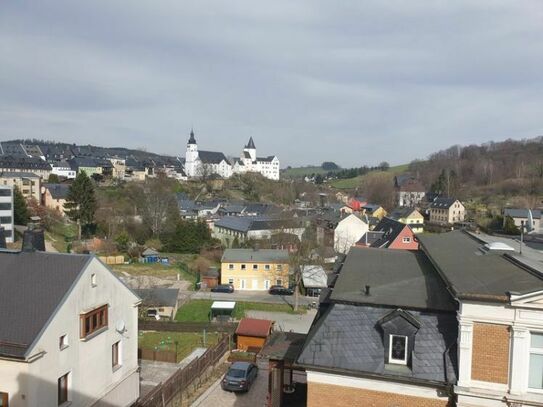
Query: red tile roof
(254, 327)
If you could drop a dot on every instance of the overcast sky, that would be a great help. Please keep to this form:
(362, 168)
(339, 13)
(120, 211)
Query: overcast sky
(355, 82)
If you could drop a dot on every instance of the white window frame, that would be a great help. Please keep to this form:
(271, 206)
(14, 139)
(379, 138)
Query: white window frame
(255, 266)
(390, 358)
(231, 281)
(406, 239)
(267, 284)
(536, 351)
(267, 267)
(243, 266)
(230, 267)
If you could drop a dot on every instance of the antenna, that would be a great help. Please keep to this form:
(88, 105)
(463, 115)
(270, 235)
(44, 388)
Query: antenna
(120, 326)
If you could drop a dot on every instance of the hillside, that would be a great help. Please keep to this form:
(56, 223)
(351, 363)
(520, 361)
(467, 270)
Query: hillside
(352, 183)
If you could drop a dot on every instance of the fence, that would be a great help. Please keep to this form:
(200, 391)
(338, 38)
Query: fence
(112, 259)
(157, 355)
(174, 387)
(171, 326)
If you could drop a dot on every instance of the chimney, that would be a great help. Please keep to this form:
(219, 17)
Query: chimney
(33, 240)
(367, 290)
(2, 239)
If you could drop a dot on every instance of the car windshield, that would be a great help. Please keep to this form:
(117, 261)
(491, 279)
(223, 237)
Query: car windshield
(236, 373)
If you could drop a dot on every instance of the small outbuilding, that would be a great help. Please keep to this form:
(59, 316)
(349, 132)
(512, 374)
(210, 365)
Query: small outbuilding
(252, 334)
(222, 309)
(161, 302)
(210, 277)
(314, 279)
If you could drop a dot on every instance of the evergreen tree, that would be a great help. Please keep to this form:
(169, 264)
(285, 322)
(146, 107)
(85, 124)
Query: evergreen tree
(53, 179)
(21, 213)
(81, 202)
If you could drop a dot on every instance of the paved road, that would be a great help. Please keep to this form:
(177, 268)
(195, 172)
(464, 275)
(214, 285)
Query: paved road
(256, 296)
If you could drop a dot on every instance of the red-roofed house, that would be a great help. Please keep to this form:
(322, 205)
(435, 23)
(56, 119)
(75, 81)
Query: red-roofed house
(251, 334)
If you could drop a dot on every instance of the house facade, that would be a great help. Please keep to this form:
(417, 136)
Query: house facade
(523, 217)
(409, 191)
(248, 269)
(390, 234)
(348, 231)
(63, 169)
(411, 217)
(6, 212)
(53, 196)
(446, 211)
(73, 332)
(16, 163)
(28, 183)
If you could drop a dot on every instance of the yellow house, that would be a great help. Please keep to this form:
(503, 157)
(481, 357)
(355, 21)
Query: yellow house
(374, 210)
(409, 216)
(255, 269)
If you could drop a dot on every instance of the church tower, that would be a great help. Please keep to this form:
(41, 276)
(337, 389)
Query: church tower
(191, 156)
(251, 149)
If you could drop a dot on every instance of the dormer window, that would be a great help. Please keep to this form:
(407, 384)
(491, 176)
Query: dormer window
(397, 352)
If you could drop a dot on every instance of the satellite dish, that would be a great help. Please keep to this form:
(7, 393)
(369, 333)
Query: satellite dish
(120, 326)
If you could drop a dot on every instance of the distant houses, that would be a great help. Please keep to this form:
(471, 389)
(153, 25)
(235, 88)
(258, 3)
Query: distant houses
(529, 219)
(446, 211)
(348, 231)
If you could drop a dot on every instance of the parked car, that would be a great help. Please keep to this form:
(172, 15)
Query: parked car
(240, 376)
(280, 290)
(223, 288)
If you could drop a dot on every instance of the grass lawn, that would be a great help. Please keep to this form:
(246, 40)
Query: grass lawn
(59, 232)
(351, 183)
(300, 172)
(198, 310)
(146, 269)
(186, 341)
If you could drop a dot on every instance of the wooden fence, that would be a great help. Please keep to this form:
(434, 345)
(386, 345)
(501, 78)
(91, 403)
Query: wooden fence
(157, 355)
(171, 326)
(165, 392)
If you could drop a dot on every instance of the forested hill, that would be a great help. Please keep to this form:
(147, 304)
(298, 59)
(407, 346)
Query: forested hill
(508, 168)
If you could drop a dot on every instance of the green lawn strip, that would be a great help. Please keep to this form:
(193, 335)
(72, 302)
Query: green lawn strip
(146, 269)
(186, 341)
(198, 310)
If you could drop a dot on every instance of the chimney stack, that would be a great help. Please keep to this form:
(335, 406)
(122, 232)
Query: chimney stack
(33, 240)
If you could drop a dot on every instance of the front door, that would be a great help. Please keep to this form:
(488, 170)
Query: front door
(242, 284)
(255, 284)
(3, 399)
(267, 284)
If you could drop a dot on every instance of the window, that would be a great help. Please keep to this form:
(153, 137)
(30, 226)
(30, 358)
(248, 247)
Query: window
(406, 240)
(243, 266)
(63, 389)
(255, 266)
(93, 321)
(535, 376)
(63, 342)
(115, 354)
(279, 282)
(397, 351)
(5, 191)
(5, 206)
(230, 281)
(230, 267)
(93, 280)
(3, 399)
(279, 267)
(267, 267)
(5, 219)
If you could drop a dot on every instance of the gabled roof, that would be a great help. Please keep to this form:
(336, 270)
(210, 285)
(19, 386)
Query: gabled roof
(267, 159)
(34, 284)
(522, 213)
(211, 157)
(23, 162)
(150, 252)
(390, 229)
(246, 223)
(406, 212)
(260, 255)
(259, 328)
(58, 191)
(155, 297)
(18, 174)
(442, 203)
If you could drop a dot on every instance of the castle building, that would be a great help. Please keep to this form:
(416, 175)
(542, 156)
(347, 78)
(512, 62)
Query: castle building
(200, 163)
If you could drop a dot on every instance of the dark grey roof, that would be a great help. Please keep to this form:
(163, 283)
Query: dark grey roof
(399, 213)
(18, 174)
(267, 159)
(246, 154)
(246, 223)
(371, 207)
(192, 140)
(348, 339)
(261, 255)
(211, 157)
(250, 144)
(522, 213)
(370, 237)
(33, 286)
(443, 203)
(390, 229)
(472, 274)
(12, 149)
(23, 163)
(399, 278)
(58, 191)
(152, 297)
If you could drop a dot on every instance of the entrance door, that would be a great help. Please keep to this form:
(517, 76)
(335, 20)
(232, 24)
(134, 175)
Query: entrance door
(255, 284)
(242, 284)
(3, 399)
(267, 284)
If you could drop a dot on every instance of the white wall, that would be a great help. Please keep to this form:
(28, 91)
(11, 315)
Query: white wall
(348, 232)
(88, 361)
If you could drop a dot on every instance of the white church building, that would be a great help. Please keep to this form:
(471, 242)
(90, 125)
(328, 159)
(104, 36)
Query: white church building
(200, 163)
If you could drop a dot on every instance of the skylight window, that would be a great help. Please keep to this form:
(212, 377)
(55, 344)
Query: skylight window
(397, 352)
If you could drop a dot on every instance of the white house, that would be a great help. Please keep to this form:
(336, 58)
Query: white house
(348, 231)
(199, 163)
(69, 332)
(63, 169)
(6, 211)
(523, 217)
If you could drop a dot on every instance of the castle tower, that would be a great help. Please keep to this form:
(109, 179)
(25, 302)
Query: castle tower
(191, 156)
(251, 149)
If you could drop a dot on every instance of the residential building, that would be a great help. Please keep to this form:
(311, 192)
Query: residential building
(14, 163)
(53, 196)
(409, 190)
(409, 216)
(374, 210)
(159, 301)
(446, 211)
(201, 164)
(6, 212)
(523, 217)
(499, 292)
(245, 228)
(91, 166)
(118, 167)
(390, 234)
(249, 269)
(385, 335)
(348, 231)
(63, 169)
(69, 332)
(314, 279)
(28, 183)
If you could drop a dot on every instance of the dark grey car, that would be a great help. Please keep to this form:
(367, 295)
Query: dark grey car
(240, 376)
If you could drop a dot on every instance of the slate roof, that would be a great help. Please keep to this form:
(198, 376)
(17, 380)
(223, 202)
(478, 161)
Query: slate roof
(23, 163)
(370, 237)
(472, 274)
(246, 223)
(192, 140)
(12, 149)
(18, 174)
(58, 191)
(283, 346)
(399, 213)
(250, 255)
(34, 284)
(259, 328)
(154, 297)
(211, 157)
(399, 278)
(442, 203)
(348, 339)
(522, 213)
(391, 229)
(371, 207)
(250, 144)
(267, 159)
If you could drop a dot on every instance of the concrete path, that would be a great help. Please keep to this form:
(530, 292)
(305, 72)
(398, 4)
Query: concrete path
(287, 322)
(256, 296)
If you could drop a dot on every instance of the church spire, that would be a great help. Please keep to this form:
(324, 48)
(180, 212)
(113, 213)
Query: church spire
(192, 140)
(250, 144)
